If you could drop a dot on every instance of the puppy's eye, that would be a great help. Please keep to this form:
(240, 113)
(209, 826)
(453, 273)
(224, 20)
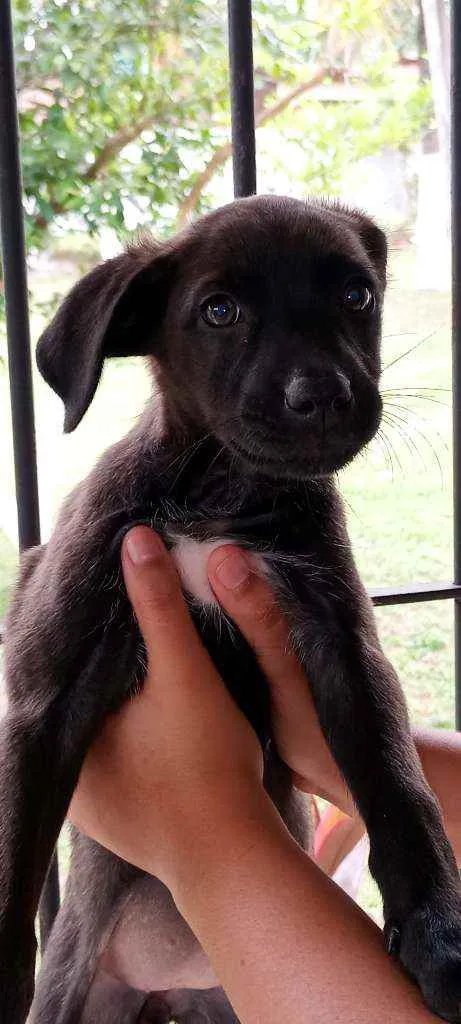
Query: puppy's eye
(359, 296)
(220, 311)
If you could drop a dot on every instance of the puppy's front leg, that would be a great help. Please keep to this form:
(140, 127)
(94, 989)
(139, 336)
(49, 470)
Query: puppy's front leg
(69, 657)
(41, 752)
(363, 715)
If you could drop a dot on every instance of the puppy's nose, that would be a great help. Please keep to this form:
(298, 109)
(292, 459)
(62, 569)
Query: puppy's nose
(309, 396)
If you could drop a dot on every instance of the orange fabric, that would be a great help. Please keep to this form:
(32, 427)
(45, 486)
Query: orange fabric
(335, 836)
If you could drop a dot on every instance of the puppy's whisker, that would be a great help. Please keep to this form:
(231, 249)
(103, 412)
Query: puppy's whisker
(391, 451)
(414, 387)
(215, 458)
(409, 351)
(407, 412)
(406, 394)
(398, 334)
(403, 422)
(409, 442)
(381, 446)
(187, 456)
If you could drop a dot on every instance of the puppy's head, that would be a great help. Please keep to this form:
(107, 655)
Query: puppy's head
(264, 318)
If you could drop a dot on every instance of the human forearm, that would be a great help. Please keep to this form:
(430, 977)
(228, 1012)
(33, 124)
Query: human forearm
(265, 914)
(174, 785)
(440, 754)
(439, 751)
(300, 742)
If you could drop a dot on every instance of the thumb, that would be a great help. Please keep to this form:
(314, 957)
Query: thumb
(252, 605)
(155, 593)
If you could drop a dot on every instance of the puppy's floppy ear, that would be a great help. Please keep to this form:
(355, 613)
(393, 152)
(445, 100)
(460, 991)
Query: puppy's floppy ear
(116, 310)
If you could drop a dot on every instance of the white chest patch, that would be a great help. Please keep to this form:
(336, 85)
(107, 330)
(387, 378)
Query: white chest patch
(191, 559)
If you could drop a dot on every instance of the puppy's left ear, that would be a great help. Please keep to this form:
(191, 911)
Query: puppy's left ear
(116, 310)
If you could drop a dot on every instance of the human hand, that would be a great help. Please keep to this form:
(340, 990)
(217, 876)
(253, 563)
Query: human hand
(178, 767)
(251, 604)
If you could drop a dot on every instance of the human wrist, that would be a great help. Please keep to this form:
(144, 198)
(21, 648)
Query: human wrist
(217, 847)
(328, 784)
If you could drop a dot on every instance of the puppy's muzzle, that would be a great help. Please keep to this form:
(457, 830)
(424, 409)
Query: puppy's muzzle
(327, 399)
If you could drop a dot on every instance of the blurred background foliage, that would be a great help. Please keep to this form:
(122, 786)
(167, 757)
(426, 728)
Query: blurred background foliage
(124, 106)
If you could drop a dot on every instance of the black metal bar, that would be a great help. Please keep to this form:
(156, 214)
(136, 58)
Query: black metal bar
(19, 360)
(15, 283)
(456, 323)
(409, 594)
(415, 592)
(242, 97)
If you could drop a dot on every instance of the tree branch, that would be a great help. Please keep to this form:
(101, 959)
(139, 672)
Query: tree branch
(111, 148)
(116, 143)
(222, 154)
(128, 134)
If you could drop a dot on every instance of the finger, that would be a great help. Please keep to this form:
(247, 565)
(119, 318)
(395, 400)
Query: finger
(252, 605)
(154, 590)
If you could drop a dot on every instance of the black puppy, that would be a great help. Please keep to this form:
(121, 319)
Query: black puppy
(263, 325)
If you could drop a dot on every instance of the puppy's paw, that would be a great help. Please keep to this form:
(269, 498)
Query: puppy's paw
(428, 944)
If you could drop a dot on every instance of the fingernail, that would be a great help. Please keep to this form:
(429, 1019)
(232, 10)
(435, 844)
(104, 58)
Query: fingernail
(143, 546)
(233, 570)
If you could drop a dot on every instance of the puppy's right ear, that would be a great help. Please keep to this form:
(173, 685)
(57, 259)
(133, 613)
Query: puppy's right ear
(116, 310)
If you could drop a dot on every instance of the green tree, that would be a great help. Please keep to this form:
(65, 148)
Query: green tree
(127, 100)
